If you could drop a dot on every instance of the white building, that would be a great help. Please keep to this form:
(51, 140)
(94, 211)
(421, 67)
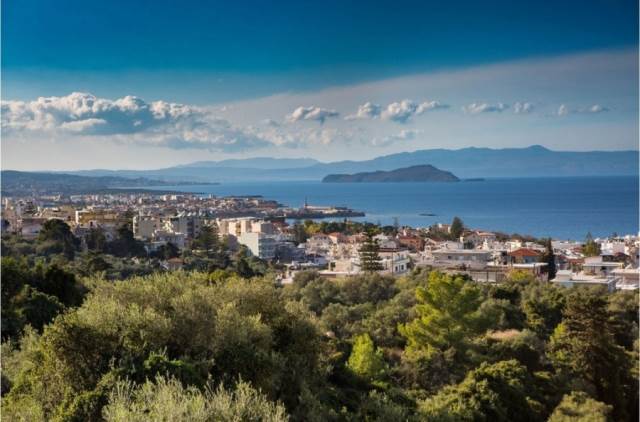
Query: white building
(238, 226)
(395, 261)
(455, 258)
(164, 236)
(261, 245)
(188, 224)
(566, 278)
(144, 226)
(595, 265)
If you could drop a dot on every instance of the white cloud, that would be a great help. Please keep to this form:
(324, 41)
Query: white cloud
(127, 119)
(403, 110)
(403, 135)
(477, 108)
(406, 134)
(85, 125)
(302, 137)
(400, 111)
(430, 105)
(563, 110)
(311, 113)
(523, 108)
(597, 108)
(367, 110)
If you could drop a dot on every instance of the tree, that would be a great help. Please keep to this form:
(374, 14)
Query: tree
(366, 360)
(579, 407)
(378, 406)
(456, 229)
(591, 247)
(498, 392)
(623, 310)
(96, 240)
(168, 399)
(542, 305)
(583, 348)
(207, 240)
(167, 251)
(450, 317)
(34, 295)
(95, 262)
(549, 258)
(62, 284)
(369, 258)
(299, 233)
(37, 308)
(226, 331)
(126, 245)
(59, 232)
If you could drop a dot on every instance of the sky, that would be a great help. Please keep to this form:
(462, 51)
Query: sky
(150, 84)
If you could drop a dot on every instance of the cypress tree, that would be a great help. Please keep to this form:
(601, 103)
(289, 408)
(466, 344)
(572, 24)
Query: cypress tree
(590, 248)
(457, 227)
(369, 257)
(549, 258)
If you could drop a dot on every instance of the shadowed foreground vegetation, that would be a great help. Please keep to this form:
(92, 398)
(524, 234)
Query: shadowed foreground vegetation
(216, 346)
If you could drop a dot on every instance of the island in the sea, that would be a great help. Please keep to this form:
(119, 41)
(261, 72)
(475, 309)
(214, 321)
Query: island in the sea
(421, 173)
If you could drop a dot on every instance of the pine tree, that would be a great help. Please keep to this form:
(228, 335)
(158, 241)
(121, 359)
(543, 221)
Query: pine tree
(207, 240)
(583, 347)
(449, 316)
(369, 257)
(366, 360)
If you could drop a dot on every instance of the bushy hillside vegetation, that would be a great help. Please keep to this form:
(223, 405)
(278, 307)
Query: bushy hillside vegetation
(217, 346)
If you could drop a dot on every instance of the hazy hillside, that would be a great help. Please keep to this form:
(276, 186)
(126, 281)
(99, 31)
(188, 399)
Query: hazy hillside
(20, 183)
(534, 161)
(266, 163)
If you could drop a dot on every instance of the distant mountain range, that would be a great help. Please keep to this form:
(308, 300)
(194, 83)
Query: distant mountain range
(424, 173)
(265, 163)
(534, 161)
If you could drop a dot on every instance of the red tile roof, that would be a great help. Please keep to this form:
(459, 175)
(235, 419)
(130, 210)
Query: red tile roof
(524, 252)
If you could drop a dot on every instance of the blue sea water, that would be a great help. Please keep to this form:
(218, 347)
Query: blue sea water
(563, 208)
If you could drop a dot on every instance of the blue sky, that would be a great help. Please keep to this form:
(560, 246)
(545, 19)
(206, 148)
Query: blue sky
(221, 79)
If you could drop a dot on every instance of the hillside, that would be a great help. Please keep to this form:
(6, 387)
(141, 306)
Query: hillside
(534, 161)
(423, 173)
(20, 183)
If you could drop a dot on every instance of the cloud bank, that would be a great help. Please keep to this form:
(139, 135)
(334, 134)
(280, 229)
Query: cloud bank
(127, 119)
(400, 111)
(366, 111)
(523, 108)
(477, 108)
(564, 110)
(311, 113)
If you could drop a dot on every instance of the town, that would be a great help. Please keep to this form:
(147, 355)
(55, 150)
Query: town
(168, 227)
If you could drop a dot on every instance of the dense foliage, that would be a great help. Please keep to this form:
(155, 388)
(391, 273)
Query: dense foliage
(217, 344)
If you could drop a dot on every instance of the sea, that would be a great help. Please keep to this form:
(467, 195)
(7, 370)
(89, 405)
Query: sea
(561, 208)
